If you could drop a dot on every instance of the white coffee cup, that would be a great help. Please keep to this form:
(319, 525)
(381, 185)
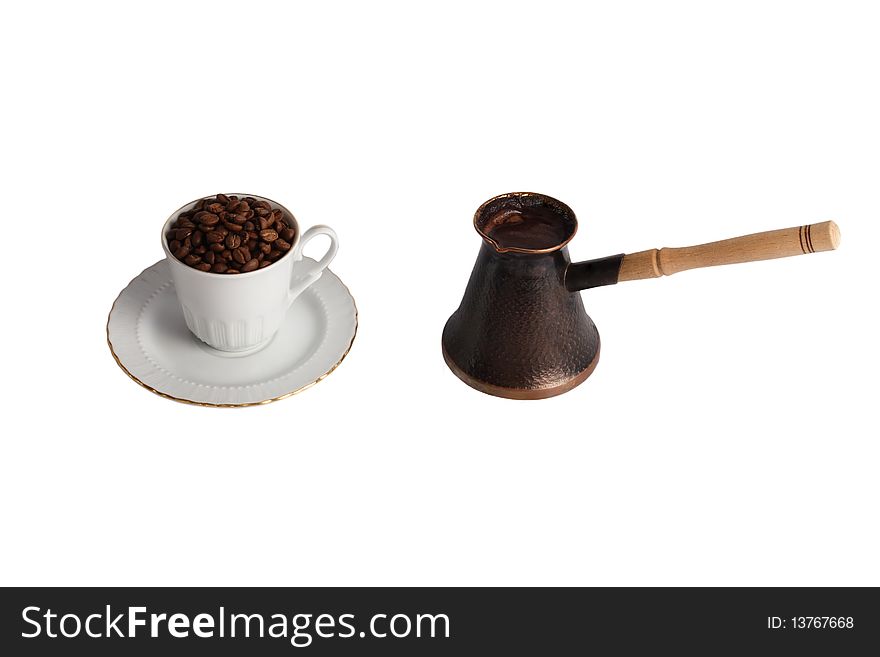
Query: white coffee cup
(240, 313)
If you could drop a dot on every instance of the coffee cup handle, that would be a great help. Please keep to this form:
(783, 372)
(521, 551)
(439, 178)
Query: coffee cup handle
(304, 278)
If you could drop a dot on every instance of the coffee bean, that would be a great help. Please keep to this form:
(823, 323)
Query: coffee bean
(265, 263)
(203, 266)
(182, 233)
(268, 235)
(249, 225)
(219, 267)
(244, 206)
(217, 248)
(233, 227)
(192, 259)
(173, 245)
(233, 241)
(197, 237)
(250, 265)
(200, 250)
(226, 254)
(215, 207)
(207, 218)
(181, 253)
(287, 234)
(222, 198)
(282, 244)
(215, 236)
(209, 257)
(233, 271)
(265, 248)
(240, 255)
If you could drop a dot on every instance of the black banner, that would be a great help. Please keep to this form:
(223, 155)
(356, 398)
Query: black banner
(444, 621)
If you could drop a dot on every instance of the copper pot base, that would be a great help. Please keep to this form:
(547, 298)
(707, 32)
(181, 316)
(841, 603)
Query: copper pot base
(523, 393)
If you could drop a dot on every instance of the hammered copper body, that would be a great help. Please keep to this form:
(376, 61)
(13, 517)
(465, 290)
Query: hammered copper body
(519, 333)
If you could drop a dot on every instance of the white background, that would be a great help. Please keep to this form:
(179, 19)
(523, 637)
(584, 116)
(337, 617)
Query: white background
(728, 436)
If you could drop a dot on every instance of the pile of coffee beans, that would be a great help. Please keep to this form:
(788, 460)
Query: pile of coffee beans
(230, 235)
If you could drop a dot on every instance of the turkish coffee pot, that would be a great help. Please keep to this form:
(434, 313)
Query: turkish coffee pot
(521, 330)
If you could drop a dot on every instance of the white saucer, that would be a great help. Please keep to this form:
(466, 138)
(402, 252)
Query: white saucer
(149, 339)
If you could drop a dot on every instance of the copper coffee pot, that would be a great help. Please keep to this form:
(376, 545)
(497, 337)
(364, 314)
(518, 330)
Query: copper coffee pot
(521, 330)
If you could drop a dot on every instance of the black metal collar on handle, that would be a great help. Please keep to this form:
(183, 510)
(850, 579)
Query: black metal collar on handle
(593, 273)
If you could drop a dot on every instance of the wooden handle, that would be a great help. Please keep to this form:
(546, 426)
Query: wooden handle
(748, 248)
